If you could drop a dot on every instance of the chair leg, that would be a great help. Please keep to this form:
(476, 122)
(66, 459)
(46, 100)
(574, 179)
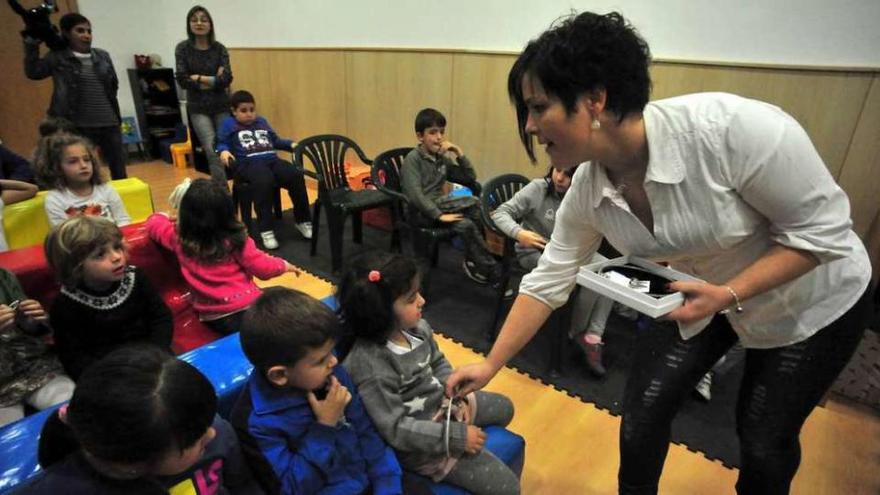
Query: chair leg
(357, 227)
(499, 306)
(277, 203)
(336, 224)
(434, 251)
(241, 196)
(563, 323)
(316, 226)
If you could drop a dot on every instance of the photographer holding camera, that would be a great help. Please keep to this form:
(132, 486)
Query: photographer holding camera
(85, 87)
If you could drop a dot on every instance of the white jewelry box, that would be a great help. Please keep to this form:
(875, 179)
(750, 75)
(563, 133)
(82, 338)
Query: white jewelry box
(590, 277)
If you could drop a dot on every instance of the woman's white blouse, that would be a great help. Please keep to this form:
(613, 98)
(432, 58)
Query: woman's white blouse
(727, 179)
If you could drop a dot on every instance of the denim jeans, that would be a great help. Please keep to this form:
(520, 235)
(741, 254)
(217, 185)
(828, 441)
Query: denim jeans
(205, 127)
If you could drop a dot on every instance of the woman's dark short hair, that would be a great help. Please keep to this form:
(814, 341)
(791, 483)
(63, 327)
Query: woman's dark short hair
(283, 325)
(429, 117)
(368, 306)
(69, 244)
(206, 223)
(69, 20)
(138, 403)
(239, 97)
(192, 11)
(584, 53)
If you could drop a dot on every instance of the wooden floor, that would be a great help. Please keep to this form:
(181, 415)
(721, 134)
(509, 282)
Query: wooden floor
(571, 447)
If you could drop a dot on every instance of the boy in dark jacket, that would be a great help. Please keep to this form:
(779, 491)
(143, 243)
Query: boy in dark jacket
(301, 423)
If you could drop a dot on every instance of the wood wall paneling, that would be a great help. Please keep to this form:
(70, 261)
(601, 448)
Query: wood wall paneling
(309, 88)
(385, 90)
(484, 119)
(827, 104)
(373, 95)
(860, 174)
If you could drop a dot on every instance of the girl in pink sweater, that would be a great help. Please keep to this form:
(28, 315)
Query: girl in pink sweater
(217, 258)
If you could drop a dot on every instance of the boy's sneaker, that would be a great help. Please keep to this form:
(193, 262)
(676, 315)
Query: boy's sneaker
(269, 241)
(704, 388)
(305, 228)
(473, 272)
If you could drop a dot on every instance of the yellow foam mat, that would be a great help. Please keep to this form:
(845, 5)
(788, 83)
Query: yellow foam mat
(25, 223)
(306, 282)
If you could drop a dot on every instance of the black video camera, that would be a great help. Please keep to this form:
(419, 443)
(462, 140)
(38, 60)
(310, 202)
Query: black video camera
(37, 24)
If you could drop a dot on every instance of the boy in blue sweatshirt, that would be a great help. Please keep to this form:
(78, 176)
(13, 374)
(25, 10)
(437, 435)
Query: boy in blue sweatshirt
(251, 142)
(302, 425)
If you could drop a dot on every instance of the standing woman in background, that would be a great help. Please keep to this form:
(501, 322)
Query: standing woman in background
(727, 189)
(203, 70)
(84, 87)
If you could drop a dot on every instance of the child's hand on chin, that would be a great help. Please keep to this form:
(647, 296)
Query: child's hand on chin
(329, 410)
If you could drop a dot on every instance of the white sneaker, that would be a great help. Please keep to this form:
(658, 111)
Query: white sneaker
(305, 228)
(269, 241)
(704, 387)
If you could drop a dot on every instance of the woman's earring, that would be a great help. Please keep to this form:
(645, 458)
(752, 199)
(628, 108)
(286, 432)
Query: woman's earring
(595, 125)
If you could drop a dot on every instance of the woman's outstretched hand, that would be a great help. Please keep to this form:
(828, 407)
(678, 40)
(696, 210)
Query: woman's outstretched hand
(701, 300)
(469, 378)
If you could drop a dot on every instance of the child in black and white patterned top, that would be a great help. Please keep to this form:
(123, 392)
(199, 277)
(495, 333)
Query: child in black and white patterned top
(104, 302)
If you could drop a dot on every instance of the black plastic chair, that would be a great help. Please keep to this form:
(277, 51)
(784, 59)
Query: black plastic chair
(385, 173)
(495, 193)
(327, 153)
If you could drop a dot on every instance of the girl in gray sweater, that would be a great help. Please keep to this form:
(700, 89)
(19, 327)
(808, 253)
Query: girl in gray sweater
(528, 217)
(401, 375)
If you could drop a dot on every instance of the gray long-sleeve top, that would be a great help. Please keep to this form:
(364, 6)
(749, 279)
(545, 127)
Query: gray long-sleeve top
(532, 208)
(423, 176)
(401, 394)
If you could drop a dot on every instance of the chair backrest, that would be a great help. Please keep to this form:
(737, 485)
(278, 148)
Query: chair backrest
(327, 153)
(385, 171)
(496, 192)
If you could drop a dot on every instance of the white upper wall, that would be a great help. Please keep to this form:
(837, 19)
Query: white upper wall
(791, 32)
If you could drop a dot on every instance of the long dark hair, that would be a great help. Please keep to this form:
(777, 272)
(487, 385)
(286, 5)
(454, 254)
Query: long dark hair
(206, 222)
(548, 178)
(584, 53)
(133, 406)
(367, 305)
(189, 33)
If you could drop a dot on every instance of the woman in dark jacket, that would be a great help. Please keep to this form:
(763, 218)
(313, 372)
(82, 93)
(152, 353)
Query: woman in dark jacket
(85, 86)
(203, 70)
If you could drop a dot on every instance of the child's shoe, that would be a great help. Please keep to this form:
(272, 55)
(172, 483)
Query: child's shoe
(305, 228)
(269, 241)
(592, 355)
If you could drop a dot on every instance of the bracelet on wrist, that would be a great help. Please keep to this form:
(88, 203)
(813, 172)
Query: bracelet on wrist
(737, 306)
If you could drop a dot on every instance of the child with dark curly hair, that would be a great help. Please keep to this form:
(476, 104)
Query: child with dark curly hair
(401, 373)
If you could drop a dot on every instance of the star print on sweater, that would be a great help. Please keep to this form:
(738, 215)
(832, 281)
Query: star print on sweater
(417, 404)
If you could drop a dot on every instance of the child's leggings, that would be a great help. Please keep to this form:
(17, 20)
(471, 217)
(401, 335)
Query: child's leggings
(779, 389)
(263, 179)
(483, 473)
